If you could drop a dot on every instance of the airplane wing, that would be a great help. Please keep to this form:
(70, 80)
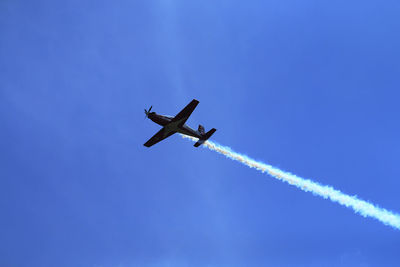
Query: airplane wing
(160, 135)
(185, 113)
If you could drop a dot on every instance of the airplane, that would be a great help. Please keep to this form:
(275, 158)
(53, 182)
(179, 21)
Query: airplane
(177, 124)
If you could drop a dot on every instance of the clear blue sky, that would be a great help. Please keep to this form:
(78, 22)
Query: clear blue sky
(308, 86)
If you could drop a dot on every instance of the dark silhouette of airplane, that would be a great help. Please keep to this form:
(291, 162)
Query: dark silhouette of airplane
(177, 124)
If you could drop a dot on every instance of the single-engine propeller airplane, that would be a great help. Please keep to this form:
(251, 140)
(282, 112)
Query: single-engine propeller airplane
(177, 124)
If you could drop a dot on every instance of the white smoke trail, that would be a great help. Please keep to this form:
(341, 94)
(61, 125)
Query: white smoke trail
(359, 206)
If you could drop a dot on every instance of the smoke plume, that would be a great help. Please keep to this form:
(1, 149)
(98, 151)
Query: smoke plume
(359, 206)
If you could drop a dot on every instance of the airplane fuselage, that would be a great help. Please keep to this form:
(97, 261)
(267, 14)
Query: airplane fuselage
(175, 126)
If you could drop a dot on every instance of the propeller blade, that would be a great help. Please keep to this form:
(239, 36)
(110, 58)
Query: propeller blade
(147, 112)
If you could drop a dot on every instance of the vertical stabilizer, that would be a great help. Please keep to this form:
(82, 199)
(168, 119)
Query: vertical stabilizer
(201, 129)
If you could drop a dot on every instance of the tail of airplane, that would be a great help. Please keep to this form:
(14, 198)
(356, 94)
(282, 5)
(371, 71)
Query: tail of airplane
(201, 129)
(205, 137)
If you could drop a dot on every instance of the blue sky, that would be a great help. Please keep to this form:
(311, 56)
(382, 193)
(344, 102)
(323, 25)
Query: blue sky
(308, 86)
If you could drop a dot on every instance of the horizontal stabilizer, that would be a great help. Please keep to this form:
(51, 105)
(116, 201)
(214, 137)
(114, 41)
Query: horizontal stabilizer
(199, 143)
(206, 136)
(209, 133)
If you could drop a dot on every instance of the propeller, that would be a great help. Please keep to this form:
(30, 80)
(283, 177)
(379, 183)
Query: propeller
(147, 111)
